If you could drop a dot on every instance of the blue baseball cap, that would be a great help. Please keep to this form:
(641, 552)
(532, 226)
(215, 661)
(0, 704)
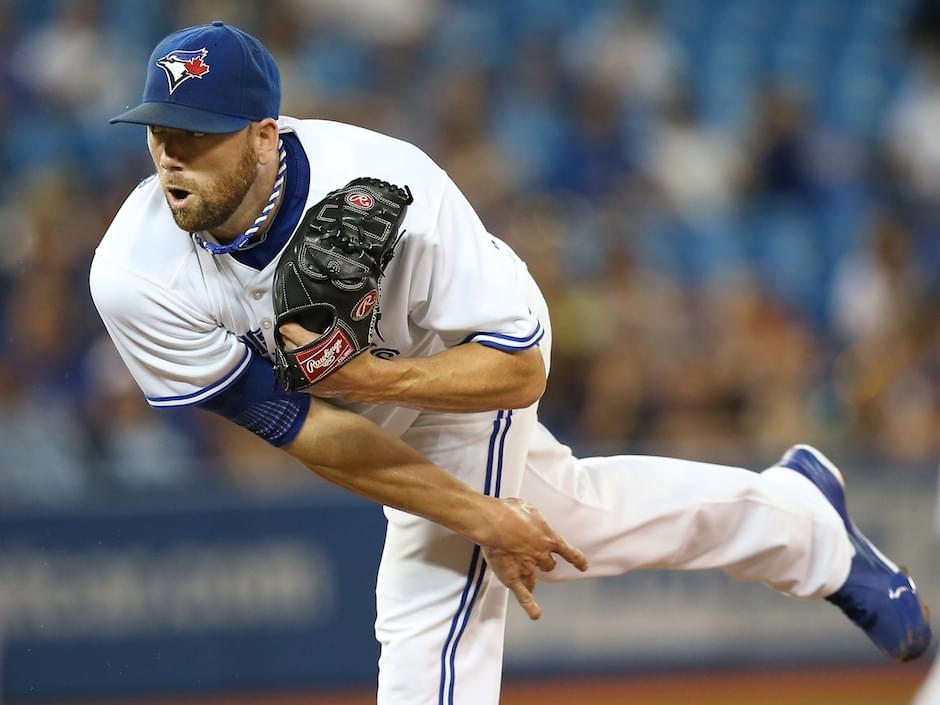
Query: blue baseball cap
(211, 78)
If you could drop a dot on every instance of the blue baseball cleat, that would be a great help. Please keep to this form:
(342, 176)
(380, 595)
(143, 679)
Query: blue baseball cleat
(878, 595)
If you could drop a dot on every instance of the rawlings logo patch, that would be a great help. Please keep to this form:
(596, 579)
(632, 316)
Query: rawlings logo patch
(360, 199)
(180, 66)
(326, 356)
(362, 309)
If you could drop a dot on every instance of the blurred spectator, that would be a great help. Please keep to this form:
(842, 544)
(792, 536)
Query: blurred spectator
(236, 12)
(782, 147)
(596, 155)
(912, 136)
(473, 160)
(623, 46)
(530, 127)
(139, 450)
(60, 59)
(699, 170)
(374, 22)
(45, 457)
(876, 288)
(718, 286)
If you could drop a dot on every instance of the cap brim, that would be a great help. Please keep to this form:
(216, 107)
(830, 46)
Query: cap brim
(181, 117)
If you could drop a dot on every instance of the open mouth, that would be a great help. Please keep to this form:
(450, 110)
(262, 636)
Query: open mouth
(177, 196)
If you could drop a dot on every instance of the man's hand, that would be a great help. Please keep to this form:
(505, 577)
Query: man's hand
(352, 452)
(522, 542)
(355, 381)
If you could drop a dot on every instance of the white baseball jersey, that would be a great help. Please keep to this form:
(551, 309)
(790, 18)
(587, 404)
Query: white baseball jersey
(183, 319)
(189, 324)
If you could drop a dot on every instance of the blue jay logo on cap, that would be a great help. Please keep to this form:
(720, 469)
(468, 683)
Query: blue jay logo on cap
(180, 66)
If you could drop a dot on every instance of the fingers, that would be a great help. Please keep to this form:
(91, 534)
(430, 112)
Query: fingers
(525, 598)
(546, 562)
(296, 335)
(571, 554)
(560, 546)
(291, 332)
(518, 574)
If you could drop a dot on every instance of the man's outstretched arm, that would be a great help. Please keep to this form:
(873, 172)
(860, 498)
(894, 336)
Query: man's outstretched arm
(352, 452)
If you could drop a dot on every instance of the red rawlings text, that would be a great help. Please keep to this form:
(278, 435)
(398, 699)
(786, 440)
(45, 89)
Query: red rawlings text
(327, 356)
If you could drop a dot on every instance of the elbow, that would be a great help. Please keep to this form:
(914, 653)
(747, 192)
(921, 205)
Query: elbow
(532, 391)
(532, 381)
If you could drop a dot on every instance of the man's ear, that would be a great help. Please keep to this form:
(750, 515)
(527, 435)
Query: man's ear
(265, 136)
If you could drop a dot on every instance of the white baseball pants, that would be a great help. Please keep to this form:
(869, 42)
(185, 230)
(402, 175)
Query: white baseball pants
(441, 614)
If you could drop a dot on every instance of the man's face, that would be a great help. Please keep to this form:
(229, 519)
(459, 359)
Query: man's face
(204, 177)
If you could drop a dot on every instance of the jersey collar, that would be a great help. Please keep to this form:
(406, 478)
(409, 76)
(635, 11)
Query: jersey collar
(296, 189)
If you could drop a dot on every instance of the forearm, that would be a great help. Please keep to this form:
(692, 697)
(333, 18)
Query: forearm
(355, 454)
(466, 378)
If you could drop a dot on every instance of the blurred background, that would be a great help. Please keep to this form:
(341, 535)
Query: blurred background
(733, 207)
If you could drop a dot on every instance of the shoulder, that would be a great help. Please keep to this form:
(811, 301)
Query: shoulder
(143, 237)
(342, 139)
(339, 152)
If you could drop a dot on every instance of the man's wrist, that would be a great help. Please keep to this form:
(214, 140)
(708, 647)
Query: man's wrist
(480, 520)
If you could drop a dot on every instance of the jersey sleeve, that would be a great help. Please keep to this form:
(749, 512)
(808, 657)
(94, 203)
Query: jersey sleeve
(177, 354)
(467, 286)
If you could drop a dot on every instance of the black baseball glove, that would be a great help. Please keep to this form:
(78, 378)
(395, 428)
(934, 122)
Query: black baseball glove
(329, 277)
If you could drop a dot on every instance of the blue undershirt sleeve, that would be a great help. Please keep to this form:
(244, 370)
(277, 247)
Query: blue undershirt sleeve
(256, 402)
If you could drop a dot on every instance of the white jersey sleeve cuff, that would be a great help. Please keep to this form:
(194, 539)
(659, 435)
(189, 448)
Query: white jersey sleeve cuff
(200, 395)
(501, 341)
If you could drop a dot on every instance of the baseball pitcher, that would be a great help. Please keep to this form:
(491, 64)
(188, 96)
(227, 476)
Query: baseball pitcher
(272, 262)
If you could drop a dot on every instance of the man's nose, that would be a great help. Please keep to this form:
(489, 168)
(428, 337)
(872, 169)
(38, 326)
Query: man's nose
(172, 154)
